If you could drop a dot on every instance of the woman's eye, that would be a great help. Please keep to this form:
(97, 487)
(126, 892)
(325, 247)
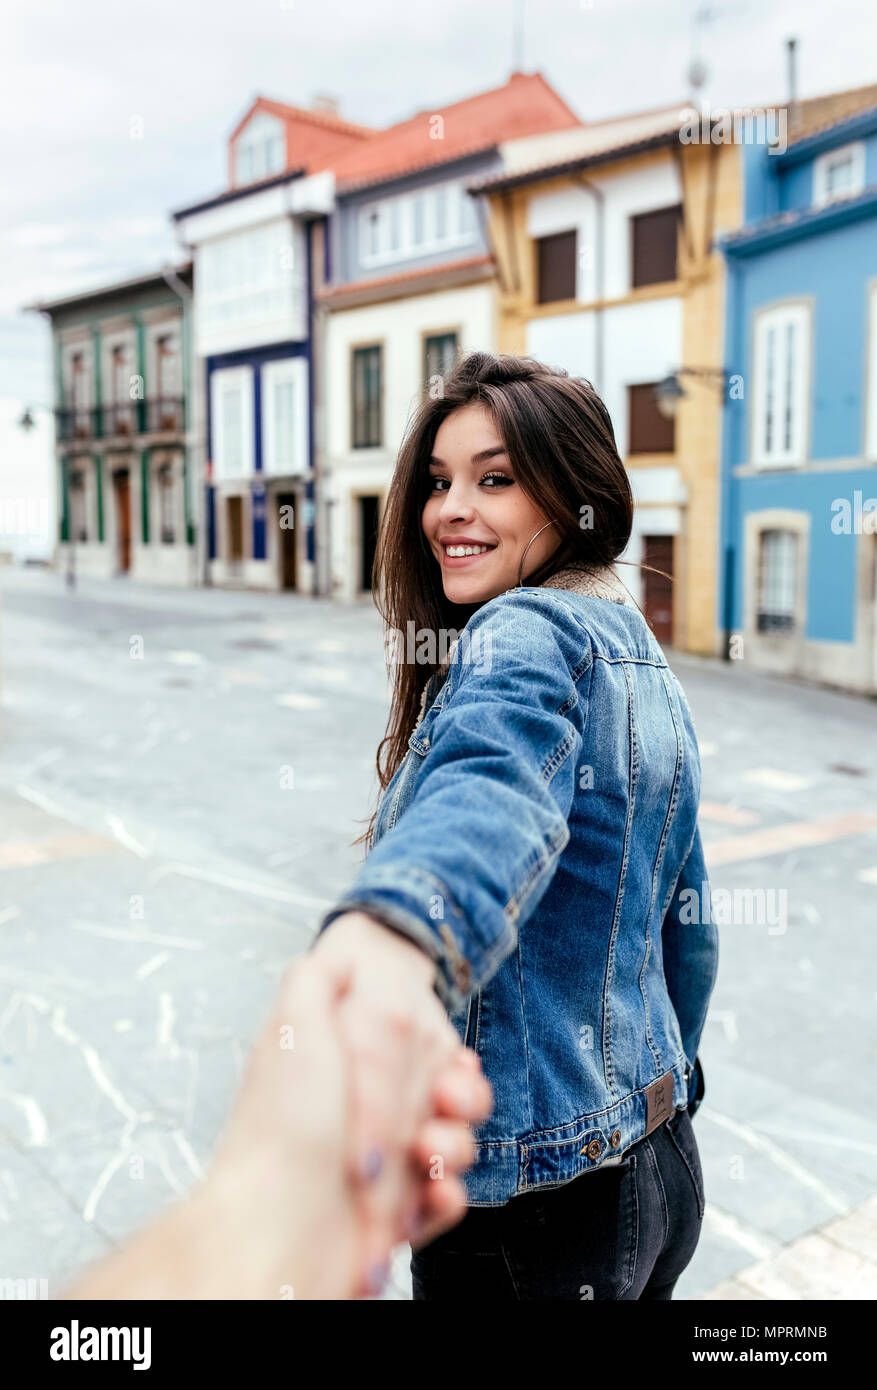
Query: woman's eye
(494, 480)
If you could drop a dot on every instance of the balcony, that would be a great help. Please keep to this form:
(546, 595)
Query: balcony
(164, 413)
(77, 422)
(121, 419)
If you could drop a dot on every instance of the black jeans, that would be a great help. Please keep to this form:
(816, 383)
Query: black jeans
(620, 1233)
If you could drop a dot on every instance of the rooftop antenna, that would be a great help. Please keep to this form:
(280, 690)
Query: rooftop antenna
(519, 37)
(792, 69)
(697, 71)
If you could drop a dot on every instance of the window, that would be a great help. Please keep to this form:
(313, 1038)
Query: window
(78, 506)
(556, 267)
(166, 499)
(439, 357)
(777, 581)
(871, 384)
(118, 413)
(284, 416)
(166, 412)
(260, 148)
(232, 422)
(170, 383)
(653, 244)
(80, 397)
(649, 432)
(119, 383)
(366, 407)
(839, 174)
(433, 219)
(246, 279)
(780, 393)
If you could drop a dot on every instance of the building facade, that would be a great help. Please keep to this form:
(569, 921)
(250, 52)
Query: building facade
(799, 529)
(123, 453)
(413, 287)
(259, 250)
(604, 241)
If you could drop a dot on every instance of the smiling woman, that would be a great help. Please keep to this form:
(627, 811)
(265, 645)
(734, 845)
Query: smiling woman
(513, 456)
(536, 838)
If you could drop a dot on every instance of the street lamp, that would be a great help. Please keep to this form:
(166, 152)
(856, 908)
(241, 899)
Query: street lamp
(669, 392)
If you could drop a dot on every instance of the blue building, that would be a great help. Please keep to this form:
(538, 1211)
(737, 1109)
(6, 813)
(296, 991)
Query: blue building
(799, 469)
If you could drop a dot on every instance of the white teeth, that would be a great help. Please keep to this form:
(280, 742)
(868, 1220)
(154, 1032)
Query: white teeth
(455, 550)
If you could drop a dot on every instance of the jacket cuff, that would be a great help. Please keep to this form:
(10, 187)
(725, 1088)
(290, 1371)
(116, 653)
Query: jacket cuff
(399, 909)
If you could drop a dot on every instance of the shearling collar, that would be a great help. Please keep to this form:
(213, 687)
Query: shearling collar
(597, 583)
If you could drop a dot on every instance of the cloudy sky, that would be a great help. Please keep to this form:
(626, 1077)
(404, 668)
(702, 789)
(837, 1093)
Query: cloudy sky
(84, 203)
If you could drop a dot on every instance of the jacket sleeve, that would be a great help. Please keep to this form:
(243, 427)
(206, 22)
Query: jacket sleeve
(691, 954)
(472, 855)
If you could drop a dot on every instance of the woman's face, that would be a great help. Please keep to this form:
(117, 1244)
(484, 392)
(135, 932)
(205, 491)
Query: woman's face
(476, 502)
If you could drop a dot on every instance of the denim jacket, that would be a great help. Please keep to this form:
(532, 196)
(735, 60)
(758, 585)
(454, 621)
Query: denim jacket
(540, 842)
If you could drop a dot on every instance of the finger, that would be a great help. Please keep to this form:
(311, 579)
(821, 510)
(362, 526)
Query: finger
(443, 1146)
(461, 1096)
(378, 1062)
(443, 1207)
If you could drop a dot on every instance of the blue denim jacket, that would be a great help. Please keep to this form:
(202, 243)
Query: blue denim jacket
(540, 842)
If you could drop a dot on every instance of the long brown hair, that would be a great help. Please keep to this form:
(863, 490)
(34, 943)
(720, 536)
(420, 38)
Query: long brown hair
(561, 445)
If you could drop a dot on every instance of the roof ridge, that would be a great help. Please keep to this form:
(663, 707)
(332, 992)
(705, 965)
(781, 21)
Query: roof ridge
(325, 119)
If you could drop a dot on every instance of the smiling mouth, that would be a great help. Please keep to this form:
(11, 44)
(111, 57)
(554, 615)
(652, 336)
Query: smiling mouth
(457, 555)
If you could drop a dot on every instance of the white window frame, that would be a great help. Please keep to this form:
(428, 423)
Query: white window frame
(855, 151)
(462, 231)
(287, 370)
(231, 378)
(871, 376)
(788, 556)
(252, 147)
(776, 321)
(247, 279)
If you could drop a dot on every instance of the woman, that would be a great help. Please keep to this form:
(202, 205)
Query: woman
(537, 837)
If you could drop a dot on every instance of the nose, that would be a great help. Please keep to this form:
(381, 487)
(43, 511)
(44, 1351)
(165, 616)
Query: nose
(457, 501)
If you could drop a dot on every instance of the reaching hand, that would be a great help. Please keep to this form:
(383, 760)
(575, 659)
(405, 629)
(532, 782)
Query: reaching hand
(413, 1088)
(351, 1120)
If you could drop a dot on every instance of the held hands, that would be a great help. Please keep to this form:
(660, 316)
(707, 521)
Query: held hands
(351, 1127)
(414, 1090)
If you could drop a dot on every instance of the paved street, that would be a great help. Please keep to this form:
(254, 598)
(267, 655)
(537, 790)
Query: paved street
(182, 775)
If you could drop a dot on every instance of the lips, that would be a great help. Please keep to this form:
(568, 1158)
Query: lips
(450, 561)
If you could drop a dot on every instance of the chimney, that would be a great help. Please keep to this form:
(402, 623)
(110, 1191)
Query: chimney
(791, 47)
(328, 105)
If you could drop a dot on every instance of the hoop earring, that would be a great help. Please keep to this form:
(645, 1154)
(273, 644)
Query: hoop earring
(519, 585)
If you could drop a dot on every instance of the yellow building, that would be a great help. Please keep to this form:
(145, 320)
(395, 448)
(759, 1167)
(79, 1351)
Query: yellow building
(603, 238)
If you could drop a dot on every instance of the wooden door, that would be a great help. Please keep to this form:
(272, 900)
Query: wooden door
(286, 519)
(658, 588)
(368, 529)
(122, 490)
(234, 515)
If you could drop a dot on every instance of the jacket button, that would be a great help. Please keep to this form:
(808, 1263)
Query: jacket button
(594, 1149)
(615, 1138)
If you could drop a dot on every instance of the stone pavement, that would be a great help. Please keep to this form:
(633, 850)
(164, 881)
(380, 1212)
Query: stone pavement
(837, 1261)
(173, 825)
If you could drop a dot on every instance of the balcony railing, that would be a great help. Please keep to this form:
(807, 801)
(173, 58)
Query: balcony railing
(122, 419)
(119, 418)
(164, 413)
(77, 422)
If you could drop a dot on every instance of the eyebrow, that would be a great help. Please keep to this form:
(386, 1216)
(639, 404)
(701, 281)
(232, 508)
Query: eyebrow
(476, 458)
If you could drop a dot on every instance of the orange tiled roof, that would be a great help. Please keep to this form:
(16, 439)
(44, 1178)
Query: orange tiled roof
(525, 105)
(313, 137)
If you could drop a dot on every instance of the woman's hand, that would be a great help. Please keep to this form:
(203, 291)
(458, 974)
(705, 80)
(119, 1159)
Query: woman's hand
(410, 1076)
